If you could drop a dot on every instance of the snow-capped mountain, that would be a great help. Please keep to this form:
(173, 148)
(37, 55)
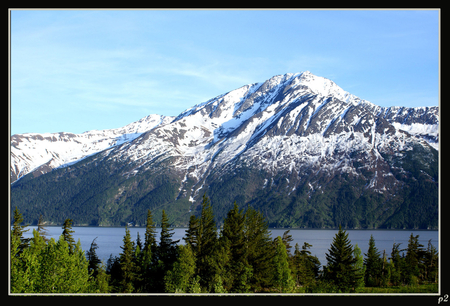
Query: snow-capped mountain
(40, 153)
(296, 146)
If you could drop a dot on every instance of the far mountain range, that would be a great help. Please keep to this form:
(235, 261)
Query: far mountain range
(296, 147)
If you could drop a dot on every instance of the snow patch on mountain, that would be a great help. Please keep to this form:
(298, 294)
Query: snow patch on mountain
(31, 151)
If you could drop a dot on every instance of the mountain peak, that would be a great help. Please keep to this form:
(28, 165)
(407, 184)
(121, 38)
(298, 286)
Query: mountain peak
(297, 146)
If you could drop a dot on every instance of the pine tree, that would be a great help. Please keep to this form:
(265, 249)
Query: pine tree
(191, 237)
(287, 239)
(18, 230)
(167, 250)
(234, 240)
(305, 266)
(148, 253)
(372, 262)
(127, 264)
(282, 278)
(182, 276)
(359, 265)
(93, 260)
(386, 268)
(67, 234)
(150, 238)
(414, 259)
(260, 249)
(206, 245)
(26, 266)
(397, 264)
(61, 271)
(41, 229)
(340, 268)
(431, 263)
(166, 254)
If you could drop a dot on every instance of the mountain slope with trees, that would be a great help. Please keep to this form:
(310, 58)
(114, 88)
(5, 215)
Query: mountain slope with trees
(297, 147)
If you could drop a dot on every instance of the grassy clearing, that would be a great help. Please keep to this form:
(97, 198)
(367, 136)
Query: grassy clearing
(425, 288)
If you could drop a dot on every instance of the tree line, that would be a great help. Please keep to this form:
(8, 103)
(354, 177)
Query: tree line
(241, 257)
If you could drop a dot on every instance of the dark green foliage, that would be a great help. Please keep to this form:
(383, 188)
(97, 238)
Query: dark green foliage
(373, 264)
(127, 265)
(233, 236)
(104, 195)
(67, 234)
(340, 269)
(260, 249)
(93, 260)
(41, 229)
(18, 230)
(241, 259)
(148, 254)
(181, 278)
(206, 244)
(305, 267)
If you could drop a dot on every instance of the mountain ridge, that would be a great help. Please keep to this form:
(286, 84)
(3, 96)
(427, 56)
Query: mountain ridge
(295, 137)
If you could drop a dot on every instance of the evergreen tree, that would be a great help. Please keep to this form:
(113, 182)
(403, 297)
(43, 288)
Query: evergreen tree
(191, 237)
(305, 267)
(235, 244)
(386, 269)
(260, 249)
(67, 234)
(372, 262)
(431, 263)
(127, 265)
(93, 260)
(139, 247)
(100, 284)
(206, 245)
(114, 271)
(397, 265)
(150, 238)
(282, 279)
(414, 259)
(62, 271)
(359, 265)
(182, 276)
(166, 254)
(287, 239)
(167, 250)
(41, 229)
(18, 230)
(340, 268)
(148, 253)
(26, 265)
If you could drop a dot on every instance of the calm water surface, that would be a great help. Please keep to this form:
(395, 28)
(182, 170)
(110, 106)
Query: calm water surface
(109, 239)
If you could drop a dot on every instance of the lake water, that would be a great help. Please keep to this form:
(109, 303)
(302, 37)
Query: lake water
(110, 239)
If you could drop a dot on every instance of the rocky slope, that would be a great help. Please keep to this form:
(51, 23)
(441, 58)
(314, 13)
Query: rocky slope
(296, 146)
(40, 153)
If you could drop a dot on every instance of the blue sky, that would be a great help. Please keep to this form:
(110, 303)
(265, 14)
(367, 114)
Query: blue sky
(78, 70)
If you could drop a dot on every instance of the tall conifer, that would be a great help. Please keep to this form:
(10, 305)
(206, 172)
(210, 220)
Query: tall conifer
(260, 249)
(127, 264)
(233, 236)
(67, 234)
(372, 262)
(207, 242)
(93, 260)
(41, 229)
(341, 263)
(19, 229)
(282, 277)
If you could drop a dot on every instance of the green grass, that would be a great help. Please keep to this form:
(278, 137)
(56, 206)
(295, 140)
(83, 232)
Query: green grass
(425, 288)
